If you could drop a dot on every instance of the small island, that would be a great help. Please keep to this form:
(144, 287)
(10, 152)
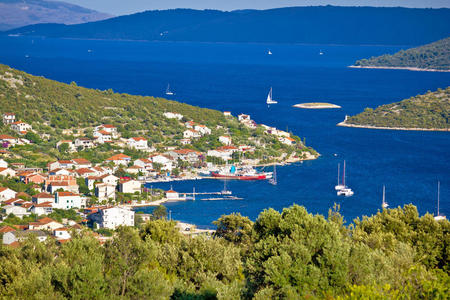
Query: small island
(427, 112)
(316, 105)
(434, 57)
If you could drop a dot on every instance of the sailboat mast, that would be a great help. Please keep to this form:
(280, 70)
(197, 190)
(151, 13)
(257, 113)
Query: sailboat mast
(439, 188)
(384, 190)
(339, 171)
(343, 176)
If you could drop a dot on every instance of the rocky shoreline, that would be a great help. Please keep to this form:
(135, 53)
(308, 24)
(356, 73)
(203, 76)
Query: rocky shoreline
(398, 68)
(344, 124)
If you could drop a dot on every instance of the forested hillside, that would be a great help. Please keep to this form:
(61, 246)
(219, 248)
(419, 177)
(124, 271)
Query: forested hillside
(289, 255)
(434, 56)
(313, 24)
(430, 111)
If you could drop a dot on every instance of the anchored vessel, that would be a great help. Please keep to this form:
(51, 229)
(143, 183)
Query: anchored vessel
(269, 98)
(439, 217)
(168, 91)
(343, 190)
(384, 204)
(246, 173)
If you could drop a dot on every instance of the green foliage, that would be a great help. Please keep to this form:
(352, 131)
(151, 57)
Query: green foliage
(59, 214)
(431, 56)
(431, 110)
(395, 254)
(160, 212)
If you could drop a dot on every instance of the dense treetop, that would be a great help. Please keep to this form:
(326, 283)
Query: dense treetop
(431, 56)
(430, 110)
(395, 254)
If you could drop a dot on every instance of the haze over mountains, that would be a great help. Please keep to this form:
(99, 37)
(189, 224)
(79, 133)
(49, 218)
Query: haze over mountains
(18, 13)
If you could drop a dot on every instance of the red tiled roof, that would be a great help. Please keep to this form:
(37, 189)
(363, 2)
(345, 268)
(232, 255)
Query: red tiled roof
(81, 161)
(6, 137)
(42, 195)
(6, 228)
(45, 220)
(44, 204)
(108, 126)
(66, 194)
(65, 161)
(137, 139)
(119, 156)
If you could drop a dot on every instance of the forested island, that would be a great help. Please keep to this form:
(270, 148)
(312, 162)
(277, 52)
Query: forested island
(287, 255)
(430, 111)
(430, 57)
(308, 24)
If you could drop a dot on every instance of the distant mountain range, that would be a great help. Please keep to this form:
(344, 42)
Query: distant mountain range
(434, 56)
(315, 24)
(18, 13)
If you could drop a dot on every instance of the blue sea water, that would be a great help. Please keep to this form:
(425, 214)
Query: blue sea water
(237, 77)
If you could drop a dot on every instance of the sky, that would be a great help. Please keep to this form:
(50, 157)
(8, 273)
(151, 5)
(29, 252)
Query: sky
(121, 7)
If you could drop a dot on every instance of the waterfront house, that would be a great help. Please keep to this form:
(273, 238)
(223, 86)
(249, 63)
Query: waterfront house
(119, 159)
(42, 198)
(286, 140)
(227, 113)
(166, 161)
(112, 217)
(106, 178)
(9, 118)
(225, 139)
(67, 200)
(6, 194)
(129, 186)
(172, 195)
(172, 115)
(16, 237)
(144, 163)
(190, 124)
(104, 191)
(5, 172)
(244, 118)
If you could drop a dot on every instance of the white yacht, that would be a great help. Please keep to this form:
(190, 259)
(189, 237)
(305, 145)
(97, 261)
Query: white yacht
(439, 217)
(269, 98)
(345, 191)
(339, 186)
(384, 204)
(168, 91)
(273, 180)
(269, 52)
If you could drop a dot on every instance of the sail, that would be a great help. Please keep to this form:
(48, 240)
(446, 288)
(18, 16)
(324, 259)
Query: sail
(269, 96)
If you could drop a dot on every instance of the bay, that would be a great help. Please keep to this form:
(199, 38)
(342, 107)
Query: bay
(237, 77)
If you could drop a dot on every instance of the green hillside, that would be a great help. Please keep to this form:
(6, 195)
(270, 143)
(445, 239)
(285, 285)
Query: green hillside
(431, 111)
(60, 111)
(431, 56)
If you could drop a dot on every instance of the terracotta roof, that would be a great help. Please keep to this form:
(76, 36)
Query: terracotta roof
(62, 241)
(44, 204)
(45, 220)
(227, 148)
(59, 183)
(65, 161)
(15, 244)
(18, 122)
(10, 201)
(171, 192)
(145, 160)
(2, 189)
(84, 171)
(27, 205)
(108, 126)
(119, 156)
(9, 114)
(6, 228)
(23, 194)
(66, 194)
(6, 137)
(137, 139)
(81, 161)
(65, 141)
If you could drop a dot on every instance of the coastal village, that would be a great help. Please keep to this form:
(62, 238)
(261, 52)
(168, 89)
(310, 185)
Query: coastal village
(104, 195)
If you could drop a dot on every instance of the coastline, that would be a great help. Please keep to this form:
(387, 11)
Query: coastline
(343, 124)
(398, 68)
(318, 106)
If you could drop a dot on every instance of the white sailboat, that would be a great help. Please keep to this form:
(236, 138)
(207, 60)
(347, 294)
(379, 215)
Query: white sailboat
(384, 204)
(339, 186)
(269, 52)
(168, 92)
(346, 191)
(320, 52)
(439, 216)
(273, 180)
(269, 98)
(225, 191)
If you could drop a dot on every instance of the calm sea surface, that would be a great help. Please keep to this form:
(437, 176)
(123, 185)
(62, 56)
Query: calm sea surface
(237, 77)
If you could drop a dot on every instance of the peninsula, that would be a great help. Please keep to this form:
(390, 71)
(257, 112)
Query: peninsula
(316, 105)
(433, 57)
(427, 112)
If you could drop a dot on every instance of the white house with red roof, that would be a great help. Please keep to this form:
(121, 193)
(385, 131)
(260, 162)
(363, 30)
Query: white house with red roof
(81, 163)
(191, 133)
(6, 194)
(104, 191)
(112, 217)
(225, 139)
(43, 208)
(129, 186)
(84, 143)
(42, 198)
(202, 129)
(119, 159)
(144, 163)
(62, 233)
(67, 200)
(166, 161)
(21, 127)
(106, 129)
(5, 172)
(227, 113)
(286, 140)
(138, 143)
(172, 195)
(7, 139)
(45, 223)
(3, 164)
